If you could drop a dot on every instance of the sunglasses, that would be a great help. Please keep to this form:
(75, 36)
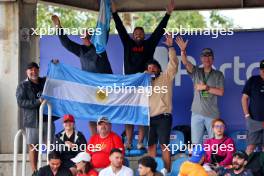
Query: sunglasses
(219, 126)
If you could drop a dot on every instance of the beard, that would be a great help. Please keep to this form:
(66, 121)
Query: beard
(237, 166)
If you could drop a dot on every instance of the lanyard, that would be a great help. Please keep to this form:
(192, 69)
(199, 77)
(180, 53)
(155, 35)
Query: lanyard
(205, 79)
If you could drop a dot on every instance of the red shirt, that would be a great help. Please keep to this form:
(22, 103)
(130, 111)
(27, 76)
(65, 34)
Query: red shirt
(90, 173)
(99, 149)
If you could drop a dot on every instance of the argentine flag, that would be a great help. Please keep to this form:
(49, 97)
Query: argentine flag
(103, 23)
(123, 99)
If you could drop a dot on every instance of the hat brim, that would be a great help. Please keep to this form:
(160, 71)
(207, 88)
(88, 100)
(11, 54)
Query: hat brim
(76, 160)
(195, 159)
(98, 123)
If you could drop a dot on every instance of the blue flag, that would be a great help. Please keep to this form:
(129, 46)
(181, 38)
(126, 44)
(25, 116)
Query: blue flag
(103, 23)
(123, 99)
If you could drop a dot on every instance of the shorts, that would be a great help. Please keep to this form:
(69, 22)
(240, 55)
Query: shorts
(160, 129)
(255, 132)
(32, 134)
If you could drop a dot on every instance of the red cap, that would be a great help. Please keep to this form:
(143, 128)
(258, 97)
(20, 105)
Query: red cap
(68, 117)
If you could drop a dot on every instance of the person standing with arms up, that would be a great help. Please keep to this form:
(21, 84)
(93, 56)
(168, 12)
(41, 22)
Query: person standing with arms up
(137, 52)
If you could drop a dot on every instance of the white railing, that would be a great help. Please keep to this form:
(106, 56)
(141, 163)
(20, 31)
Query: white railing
(41, 131)
(24, 156)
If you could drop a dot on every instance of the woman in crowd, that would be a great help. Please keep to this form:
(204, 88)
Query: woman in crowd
(220, 148)
(83, 165)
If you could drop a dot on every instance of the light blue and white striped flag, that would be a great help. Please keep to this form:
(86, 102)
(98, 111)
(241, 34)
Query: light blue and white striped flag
(103, 23)
(91, 95)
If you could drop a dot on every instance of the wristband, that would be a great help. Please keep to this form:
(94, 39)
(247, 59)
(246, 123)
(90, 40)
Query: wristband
(247, 115)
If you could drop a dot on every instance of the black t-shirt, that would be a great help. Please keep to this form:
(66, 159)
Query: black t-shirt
(46, 171)
(230, 172)
(254, 88)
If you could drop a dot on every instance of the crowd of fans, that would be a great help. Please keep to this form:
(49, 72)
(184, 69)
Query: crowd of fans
(104, 151)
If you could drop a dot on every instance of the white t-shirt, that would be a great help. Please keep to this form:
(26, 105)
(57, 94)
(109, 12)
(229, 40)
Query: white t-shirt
(125, 171)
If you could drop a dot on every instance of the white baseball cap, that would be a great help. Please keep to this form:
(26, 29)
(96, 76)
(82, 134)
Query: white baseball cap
(82, 156)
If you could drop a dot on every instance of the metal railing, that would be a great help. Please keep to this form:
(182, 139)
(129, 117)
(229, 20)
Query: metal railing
(24, 156)
(41, 109)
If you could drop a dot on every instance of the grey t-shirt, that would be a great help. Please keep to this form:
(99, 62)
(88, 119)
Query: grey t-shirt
(206, 106)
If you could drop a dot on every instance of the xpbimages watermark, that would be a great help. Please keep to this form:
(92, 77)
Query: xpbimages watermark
(182, 147)
(215, 32)
(62, 31)
(66, 147)
(124, 89)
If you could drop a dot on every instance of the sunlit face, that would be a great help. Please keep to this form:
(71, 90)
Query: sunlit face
(238, 162)
(33, 73)
(219, 128)
(207, 61)
(54, 164)
(116, 159)
(143, 170)
(153, 69)
(103, 129)
(138, 35)
(68, 125)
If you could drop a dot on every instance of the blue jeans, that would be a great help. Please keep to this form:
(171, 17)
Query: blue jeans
(199, 124)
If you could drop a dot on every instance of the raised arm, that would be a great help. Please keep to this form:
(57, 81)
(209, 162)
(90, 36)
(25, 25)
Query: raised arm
(64, 39)
(119, 24)
(159, 31)
(172, 67)
(183, 45)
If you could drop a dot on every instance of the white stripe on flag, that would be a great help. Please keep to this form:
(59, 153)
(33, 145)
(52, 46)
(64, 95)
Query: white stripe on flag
(72, 91)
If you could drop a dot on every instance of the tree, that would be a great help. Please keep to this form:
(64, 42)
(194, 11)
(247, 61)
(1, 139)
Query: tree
(71, 18)
(217, 20)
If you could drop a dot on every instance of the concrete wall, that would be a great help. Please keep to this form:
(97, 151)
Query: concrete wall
(15, 52)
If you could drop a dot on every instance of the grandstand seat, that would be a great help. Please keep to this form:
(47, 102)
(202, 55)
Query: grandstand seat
(134, 151)
(176, 165)
(160, 163)
(126, 162)
(176, 137)
(240, 139)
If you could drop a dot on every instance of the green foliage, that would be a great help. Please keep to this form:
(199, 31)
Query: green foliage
(217, 20)
(72, 18)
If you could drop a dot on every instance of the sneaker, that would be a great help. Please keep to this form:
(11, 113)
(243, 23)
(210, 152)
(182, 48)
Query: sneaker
(35, 173)
(140, 146)
(164, 171)
(128, 146)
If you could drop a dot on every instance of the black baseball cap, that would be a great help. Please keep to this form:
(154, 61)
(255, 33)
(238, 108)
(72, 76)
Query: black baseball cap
(32, 64)
(261, 64)
(241, 154)
(207, 52)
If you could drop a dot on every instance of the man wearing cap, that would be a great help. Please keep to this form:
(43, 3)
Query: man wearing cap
(29, 99)
(101, 144)
(208, 86)
(90, 60)
(193, 167)
(73, 142)
(238, 166)
(253, 108)
(116, 167)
